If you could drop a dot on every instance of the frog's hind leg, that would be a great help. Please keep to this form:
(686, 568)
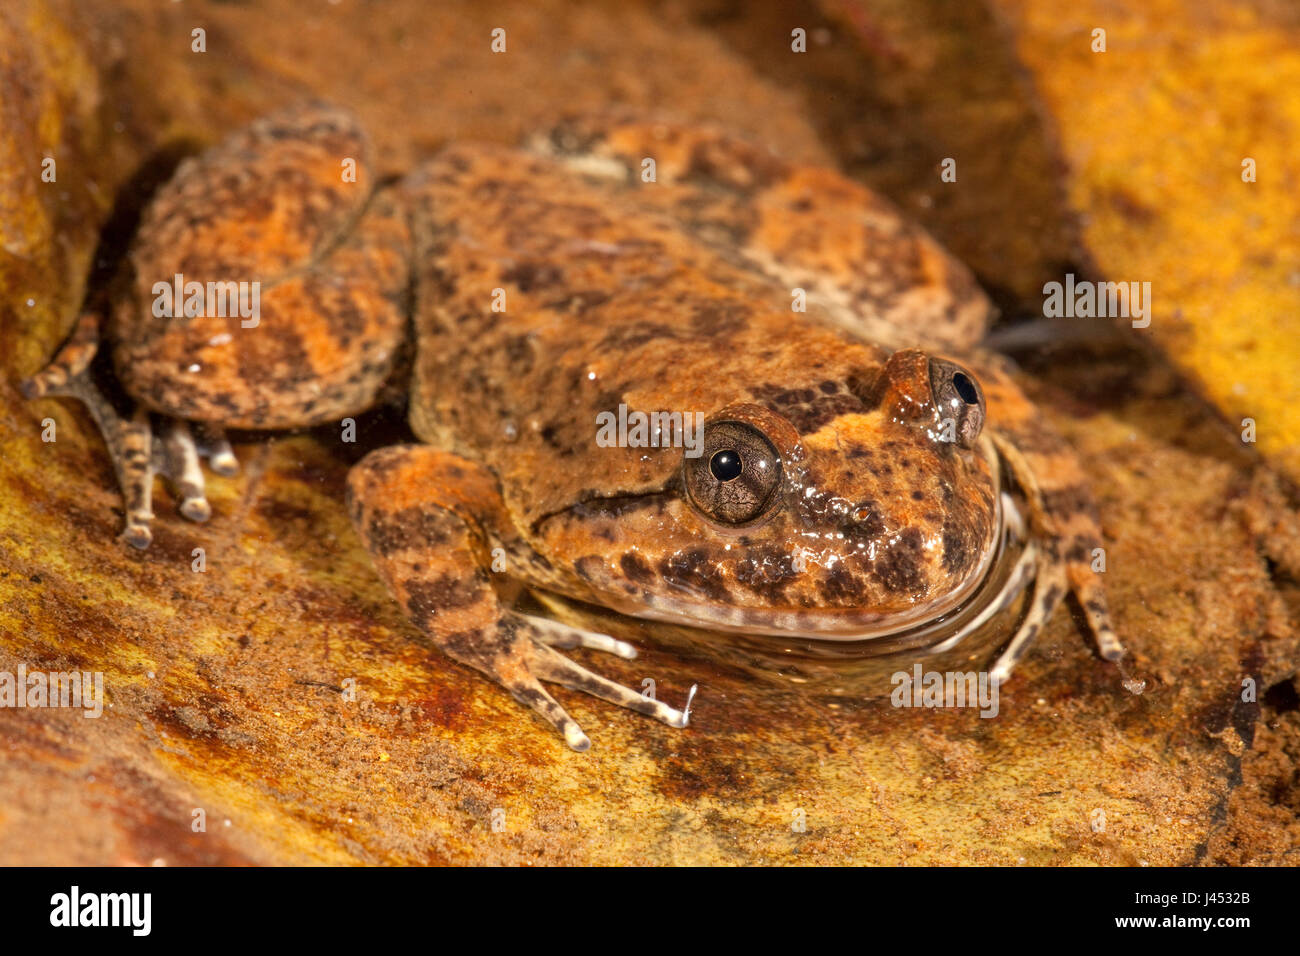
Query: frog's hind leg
(427, 517)
(129, 440)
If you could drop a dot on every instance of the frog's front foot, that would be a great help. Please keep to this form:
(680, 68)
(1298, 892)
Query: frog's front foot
(516, 639)
(427, 518)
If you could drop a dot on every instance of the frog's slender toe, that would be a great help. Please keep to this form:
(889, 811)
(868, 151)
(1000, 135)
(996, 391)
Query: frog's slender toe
(181, 465)
(138, 536)
(530, 693)
(1092, 598)
(576, 739)
(558, 635)
(559, 669)
(212, 442)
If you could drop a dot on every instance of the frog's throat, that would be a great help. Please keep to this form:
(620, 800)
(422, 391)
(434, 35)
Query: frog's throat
(1003, 572)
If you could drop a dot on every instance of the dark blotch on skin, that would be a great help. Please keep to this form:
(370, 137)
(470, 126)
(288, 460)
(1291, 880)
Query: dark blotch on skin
(695, 571)
(589, 566)
(1079, 552)
(1071, 500)
(767, 572)
(479, 646)
(518, 350)
(390, 531)
(842, 588)
(807, 409)
(958, 552)
(636, 568)
(718, 318)
(426, 598)
(626, 337)
(527, 276)
(899, 568)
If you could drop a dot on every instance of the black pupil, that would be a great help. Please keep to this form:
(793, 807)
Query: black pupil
(726, 465)
(965, 388)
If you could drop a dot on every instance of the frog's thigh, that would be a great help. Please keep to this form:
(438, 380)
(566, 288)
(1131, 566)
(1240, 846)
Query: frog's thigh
(876, 273)
(423, 514)
(269, 280)
(321, 345)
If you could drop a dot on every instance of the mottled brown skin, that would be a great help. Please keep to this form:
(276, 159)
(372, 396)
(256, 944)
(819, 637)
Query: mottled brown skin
(671, 295)
(269, 204)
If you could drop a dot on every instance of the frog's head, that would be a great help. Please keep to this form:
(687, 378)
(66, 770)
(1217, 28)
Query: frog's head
(857, 506)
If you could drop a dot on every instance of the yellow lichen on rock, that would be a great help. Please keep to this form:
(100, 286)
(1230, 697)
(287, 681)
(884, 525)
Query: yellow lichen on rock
(1161, 133)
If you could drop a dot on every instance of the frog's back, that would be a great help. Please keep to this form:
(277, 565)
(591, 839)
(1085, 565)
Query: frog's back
(553, 290)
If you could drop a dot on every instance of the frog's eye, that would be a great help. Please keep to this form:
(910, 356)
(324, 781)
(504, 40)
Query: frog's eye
(959, 397)
(734, 479)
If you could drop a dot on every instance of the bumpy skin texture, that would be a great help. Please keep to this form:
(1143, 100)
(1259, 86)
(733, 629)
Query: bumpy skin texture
(554, 284)
(270, 205)
(610, 300)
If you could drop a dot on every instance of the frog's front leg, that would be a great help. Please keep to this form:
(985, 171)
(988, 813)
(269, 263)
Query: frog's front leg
(1062, 511)
(429, 519)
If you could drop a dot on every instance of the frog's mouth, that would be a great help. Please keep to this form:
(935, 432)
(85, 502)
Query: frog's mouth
(1003, 572)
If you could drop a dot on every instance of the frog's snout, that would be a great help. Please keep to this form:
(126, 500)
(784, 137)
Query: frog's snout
(902, 389)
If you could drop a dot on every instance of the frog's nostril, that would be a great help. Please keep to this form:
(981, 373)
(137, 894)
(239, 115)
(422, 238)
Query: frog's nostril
(867, 521)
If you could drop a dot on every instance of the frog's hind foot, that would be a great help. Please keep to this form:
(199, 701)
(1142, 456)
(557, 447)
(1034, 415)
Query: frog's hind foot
(129, 440)
(531, 645)
(561, 670)
(136, 456)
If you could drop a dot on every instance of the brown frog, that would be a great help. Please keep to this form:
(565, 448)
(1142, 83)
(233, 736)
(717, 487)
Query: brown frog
(851, 478)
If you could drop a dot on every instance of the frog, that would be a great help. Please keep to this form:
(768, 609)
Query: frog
(846, 445)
